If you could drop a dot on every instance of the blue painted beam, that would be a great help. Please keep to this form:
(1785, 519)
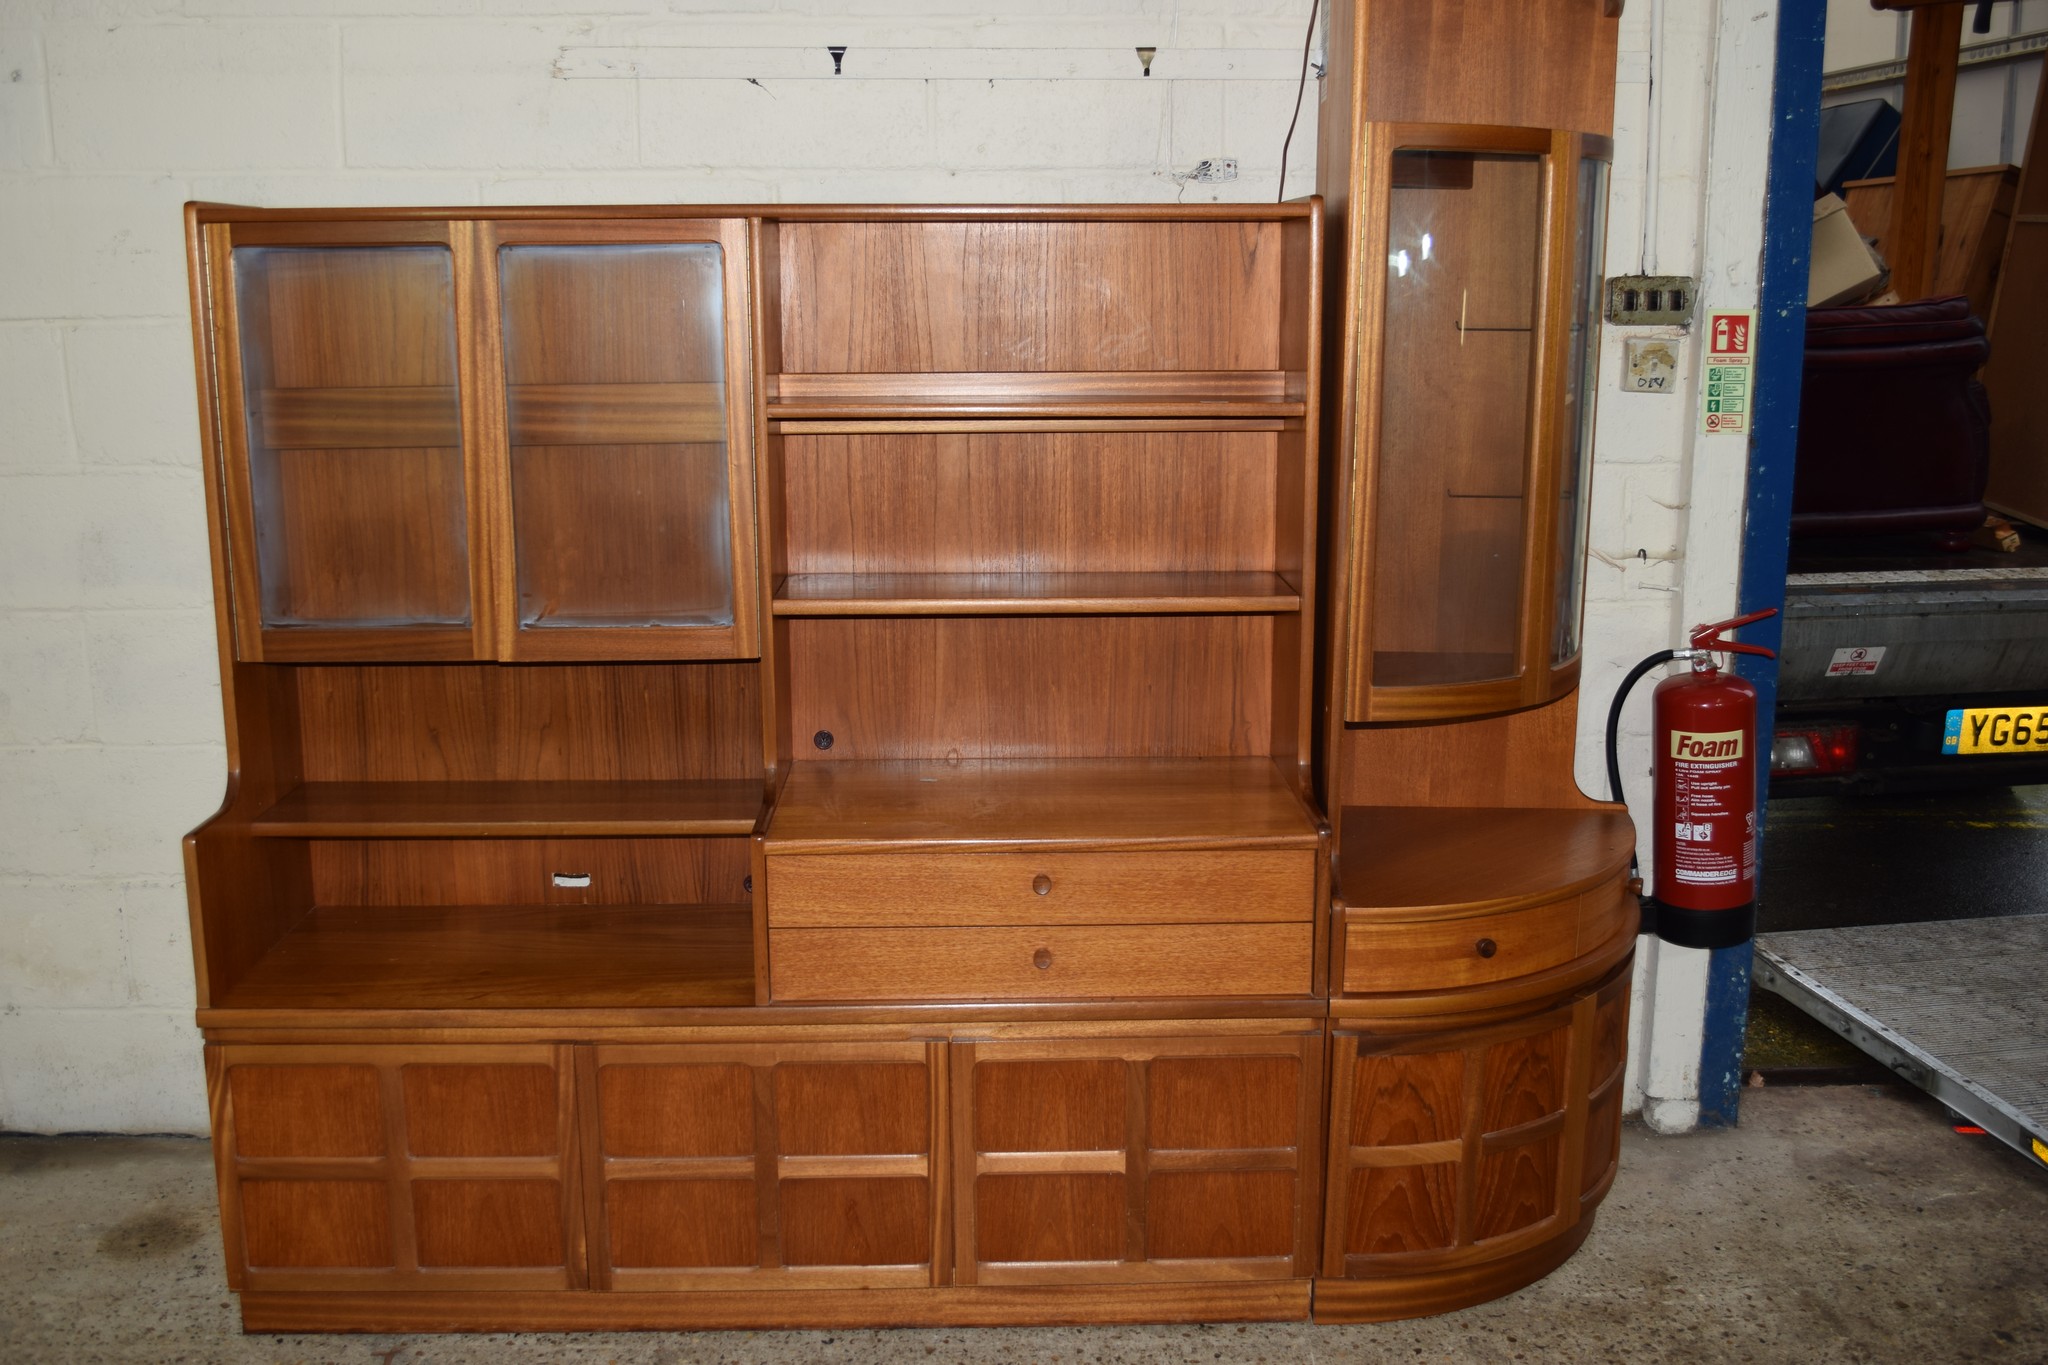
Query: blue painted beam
(1767, 527)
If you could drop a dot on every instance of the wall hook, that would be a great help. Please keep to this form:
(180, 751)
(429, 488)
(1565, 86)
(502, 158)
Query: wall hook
(1145, 55)
(838, 53)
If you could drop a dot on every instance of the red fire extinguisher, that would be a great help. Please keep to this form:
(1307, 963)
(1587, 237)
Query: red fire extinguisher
(1704, 812)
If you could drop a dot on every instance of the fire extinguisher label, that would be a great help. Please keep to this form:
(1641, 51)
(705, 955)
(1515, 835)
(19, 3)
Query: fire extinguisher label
(1706, 769)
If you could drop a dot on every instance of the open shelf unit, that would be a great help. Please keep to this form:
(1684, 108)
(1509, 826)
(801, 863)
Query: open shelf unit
(506, 958)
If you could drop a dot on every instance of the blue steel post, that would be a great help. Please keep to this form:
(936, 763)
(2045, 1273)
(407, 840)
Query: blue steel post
(1781, 347)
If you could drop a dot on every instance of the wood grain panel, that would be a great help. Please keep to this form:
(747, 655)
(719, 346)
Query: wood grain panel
(1049, 1218)
(1045, 962)
(1603, 1141)
(1395, 1210)
(375, 537)
(1536, 63)
(1105, 594)
(356, 419)
(615, 414)
(952, 392)
(899, 889)
(489, 1222)
(846, 1108)
(696, 1224)
(1222, 1102)
(1049, 1105)
(675, 1110)
(1403, 1100)
(1031, 687)
(983, 296)
(305, 1224)
(538, 722)
(495, 1110)
(1524, 1080)
(1037, 502)
(1522, 759)
(306, 1111)
(1515, 1189)
(1610, 1036)
(623, 535)
(856, 1222)
(1200, 1215)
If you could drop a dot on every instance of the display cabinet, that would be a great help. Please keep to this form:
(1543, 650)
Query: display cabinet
(870, 765)
(455, 440)
(1473, 429)
(1483, 915)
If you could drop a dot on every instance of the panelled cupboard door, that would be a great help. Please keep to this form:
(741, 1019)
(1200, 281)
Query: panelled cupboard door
(347, 460)
(1140, 1159)
(765, 1165)
(623, 399)
(1468, 1147)
(405, 1167)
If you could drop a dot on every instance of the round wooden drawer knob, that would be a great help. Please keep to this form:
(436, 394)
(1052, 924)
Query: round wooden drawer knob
(1486, 947)
(1042, 884)
(1042, 959)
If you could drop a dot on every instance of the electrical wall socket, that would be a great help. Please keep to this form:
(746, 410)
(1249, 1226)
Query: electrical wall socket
(1652, 366)
(1651, 300)
(1214, 170)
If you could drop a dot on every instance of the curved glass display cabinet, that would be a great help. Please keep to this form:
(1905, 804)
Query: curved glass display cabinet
(1475, 407)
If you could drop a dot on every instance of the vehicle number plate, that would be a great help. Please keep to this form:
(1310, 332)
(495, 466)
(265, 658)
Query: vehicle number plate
(1996, 730)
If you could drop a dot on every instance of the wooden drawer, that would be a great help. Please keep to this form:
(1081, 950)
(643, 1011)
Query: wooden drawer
(903, 889)
(1025, 963)
(1414, 955)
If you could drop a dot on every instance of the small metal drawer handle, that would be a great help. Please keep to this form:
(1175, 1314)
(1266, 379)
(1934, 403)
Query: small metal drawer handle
(1042, 884)
(1042, 959)
(1487, 947)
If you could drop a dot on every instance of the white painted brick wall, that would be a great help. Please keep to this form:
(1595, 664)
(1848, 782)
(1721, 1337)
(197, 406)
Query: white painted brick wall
(113, 112)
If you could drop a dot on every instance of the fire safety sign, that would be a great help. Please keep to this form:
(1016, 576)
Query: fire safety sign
(1728, 390)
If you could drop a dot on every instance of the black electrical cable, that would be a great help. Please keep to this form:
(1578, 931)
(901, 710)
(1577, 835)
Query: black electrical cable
(1307, 42)
(1635, 675)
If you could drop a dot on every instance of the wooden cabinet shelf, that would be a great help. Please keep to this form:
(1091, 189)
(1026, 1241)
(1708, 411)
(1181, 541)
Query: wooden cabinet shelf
(506, 957)
(1073, 594)
(397, 810)
(1042, 393)
(1077, 803)
(1447, 860)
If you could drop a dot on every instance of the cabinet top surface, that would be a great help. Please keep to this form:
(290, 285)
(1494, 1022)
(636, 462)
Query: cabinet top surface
(208, 212)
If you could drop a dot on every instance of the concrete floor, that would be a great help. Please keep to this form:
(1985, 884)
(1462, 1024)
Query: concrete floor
(1836, 1225)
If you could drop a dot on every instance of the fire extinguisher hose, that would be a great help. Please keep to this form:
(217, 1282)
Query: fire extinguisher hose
(1614, 792)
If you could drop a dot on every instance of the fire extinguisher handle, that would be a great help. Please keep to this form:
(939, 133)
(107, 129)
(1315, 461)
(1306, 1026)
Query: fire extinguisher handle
(1709, 637)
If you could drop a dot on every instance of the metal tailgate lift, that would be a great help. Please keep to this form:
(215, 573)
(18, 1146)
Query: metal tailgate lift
(1958, 1008)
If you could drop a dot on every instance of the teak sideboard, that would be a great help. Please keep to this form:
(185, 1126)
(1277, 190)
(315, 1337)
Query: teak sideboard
(851, 765)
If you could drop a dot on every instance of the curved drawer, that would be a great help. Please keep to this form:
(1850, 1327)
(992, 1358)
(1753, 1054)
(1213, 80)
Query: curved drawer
(1382, 954)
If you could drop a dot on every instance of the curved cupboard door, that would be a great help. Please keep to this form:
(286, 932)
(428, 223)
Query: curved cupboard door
(627, 417)
(1469, 515)
(347, 483)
